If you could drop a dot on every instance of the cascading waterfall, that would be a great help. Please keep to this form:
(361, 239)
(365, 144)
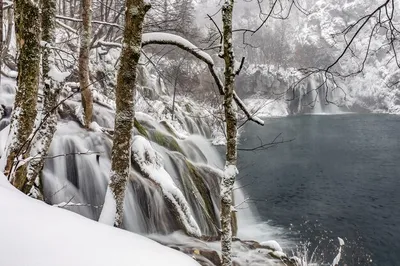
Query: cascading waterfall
(80, 164)
(315, 97)
(76, 174)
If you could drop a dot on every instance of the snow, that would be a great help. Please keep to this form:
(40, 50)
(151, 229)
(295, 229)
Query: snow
(3, 147)
(95, 127)
(57, 75)
(12, 74)
(278, 254)
(109, 210)
(341, 241)
(44, 44)
(272, 244)
(245, 110)
(36, 234)
(175, 39)
(230, 171)
(338, 256)
(219, 138)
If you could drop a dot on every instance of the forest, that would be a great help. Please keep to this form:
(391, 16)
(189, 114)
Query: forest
(123, 123)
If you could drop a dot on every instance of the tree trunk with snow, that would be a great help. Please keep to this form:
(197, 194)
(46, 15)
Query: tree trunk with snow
(28, 31)
(51, 91)
(230, 172)
(86, 93)
(124, 117)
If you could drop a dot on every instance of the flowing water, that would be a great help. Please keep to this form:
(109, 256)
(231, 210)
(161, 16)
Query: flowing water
(77, 169)
(339, 177)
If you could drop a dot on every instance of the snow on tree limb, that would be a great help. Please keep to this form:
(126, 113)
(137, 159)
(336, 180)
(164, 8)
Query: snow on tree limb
(171, 39)
(93, 21)
(66, 27)
(108, 44)
(242, 106)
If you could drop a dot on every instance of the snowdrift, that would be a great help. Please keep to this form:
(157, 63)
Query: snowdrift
(33, 233)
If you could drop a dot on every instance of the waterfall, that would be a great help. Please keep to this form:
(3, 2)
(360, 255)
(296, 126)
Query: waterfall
(314, 96)
(79, 165)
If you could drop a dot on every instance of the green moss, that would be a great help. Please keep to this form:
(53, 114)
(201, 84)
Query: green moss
(141, 129)
(198, 181)
(166, 141)
(168, 128)
(188, 108)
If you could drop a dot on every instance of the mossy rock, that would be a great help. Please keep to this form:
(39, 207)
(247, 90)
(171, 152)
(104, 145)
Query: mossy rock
(188, 108)
(201, 186)
(168, 128)
(166, 141)
(141, 129)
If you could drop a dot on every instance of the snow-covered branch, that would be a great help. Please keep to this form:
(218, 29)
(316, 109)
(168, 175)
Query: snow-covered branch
(107, 44)
(93, 21)
(171, 39)
(68, 28)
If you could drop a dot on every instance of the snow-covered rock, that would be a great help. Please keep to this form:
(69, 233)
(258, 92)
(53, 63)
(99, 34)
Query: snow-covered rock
(271, 244)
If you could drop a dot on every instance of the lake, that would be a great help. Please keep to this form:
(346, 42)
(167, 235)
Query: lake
(338, 177)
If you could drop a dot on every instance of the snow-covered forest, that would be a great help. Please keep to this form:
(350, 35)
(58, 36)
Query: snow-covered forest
(110, 111)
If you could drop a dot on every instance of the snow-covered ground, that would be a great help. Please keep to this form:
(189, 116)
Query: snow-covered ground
(33, 233)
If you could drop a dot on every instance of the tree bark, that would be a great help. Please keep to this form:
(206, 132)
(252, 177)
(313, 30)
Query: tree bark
(86, 93)
(28, 33)
(51, 91)
(230, 172)
(125, 94)
(1, 38)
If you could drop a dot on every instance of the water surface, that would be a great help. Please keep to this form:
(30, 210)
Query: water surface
(340, 176)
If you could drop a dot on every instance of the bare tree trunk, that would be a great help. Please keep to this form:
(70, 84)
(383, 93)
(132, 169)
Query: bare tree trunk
(108, 9)
(28, 33)
(51, 93)
(64, 7)
(86, 93)
(230, 172)
(9, 32)
(1, 38)
(72, 5)
(101, 10)
(135, 12)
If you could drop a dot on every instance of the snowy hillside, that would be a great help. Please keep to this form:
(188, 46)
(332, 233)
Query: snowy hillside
(34, 233)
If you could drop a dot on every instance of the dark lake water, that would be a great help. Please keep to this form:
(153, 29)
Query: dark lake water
(339, 177)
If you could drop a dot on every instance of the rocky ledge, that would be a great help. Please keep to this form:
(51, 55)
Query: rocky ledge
(245, 252)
